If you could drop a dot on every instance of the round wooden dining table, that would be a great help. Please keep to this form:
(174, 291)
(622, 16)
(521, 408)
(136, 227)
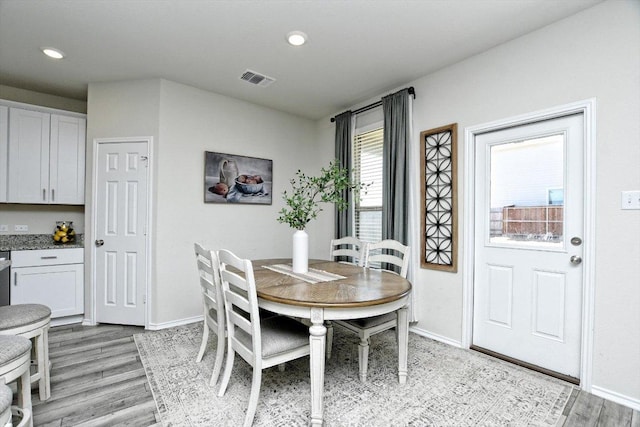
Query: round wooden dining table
(359, 292)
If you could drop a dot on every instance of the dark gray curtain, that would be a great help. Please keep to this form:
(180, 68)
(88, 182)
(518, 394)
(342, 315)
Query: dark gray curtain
(343, 224)
(395, 166)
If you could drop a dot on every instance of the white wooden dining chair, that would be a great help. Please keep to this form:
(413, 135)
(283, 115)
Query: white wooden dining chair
(262, 343)
(348, 247)
(386, 253)
(213, 303)
(354, 250)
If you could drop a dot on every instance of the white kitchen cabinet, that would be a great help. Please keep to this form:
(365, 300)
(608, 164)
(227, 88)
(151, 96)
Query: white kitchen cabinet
(66, 159)
(28, 156)
(4, 151)
(46, 157)
(52, 277)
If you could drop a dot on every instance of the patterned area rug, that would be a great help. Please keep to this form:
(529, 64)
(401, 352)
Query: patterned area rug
(447, 386)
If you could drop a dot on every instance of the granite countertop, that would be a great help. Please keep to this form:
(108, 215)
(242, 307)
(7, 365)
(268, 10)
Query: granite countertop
(25, 242)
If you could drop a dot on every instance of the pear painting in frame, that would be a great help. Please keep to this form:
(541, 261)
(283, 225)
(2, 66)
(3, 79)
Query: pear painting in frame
(230, 178)
(439, 216)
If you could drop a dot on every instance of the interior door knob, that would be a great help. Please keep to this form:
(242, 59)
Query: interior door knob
(99, 243)
(575, 259)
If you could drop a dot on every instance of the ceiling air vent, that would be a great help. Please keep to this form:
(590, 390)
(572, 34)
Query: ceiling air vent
(257, 78)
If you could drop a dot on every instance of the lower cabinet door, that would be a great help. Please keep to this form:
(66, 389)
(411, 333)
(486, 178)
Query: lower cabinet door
(60, 287)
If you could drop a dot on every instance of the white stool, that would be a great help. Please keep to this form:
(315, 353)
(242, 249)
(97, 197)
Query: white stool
(6, 397)
(15, 360)
(31, 321)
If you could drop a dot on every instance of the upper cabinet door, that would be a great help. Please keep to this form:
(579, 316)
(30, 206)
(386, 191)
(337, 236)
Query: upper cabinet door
(4, 151)
(67, 160)
(28, 156)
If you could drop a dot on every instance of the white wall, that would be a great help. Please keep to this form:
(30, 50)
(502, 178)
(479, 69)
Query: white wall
(117, 109)
(185, 122)
(41, 219)
(193, 121)
(595, 53)
(42, 99)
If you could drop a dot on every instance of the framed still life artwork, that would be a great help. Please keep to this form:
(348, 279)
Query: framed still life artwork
(230, 178)
(439, 217)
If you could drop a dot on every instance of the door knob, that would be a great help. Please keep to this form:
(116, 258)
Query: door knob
(99, 243)
(575, 259)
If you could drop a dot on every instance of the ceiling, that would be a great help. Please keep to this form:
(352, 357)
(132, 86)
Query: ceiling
(357, 49)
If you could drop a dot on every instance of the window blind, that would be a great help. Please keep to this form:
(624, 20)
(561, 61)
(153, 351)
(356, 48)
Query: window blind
(367, 169)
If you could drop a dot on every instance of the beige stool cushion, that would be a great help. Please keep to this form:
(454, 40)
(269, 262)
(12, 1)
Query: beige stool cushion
(6, 397)
(12, 347)
(15, 316)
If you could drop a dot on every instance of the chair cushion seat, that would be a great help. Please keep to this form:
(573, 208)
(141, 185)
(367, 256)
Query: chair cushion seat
(6, 397)
(279, 334)
(15, 316)
(12, 347)
(370, 322)
(282, 333)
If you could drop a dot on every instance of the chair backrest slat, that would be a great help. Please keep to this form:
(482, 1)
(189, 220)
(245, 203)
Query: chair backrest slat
(241, 302)
(349, 247)
(208, 269)
(389, 252)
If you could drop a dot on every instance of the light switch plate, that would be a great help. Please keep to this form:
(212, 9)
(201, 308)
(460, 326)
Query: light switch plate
(21, 228)
(4, 227)
(630, 200)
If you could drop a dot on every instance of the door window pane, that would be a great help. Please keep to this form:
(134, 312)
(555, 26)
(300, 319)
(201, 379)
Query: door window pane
(527, 192)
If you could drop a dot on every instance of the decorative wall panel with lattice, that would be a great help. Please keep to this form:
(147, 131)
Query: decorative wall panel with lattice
(439, 193)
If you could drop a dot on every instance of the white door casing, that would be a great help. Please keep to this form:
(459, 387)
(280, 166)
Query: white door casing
(121, 248)
(585, 333)
(527, 293)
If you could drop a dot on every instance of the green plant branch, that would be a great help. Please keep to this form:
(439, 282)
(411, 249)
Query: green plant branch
(303, 202)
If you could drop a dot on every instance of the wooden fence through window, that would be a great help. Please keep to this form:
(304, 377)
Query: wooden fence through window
(526, 222)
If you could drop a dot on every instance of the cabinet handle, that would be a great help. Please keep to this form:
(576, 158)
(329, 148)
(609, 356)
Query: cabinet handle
(44, 194)
(53, 195)
(15, 281)
(49, 257)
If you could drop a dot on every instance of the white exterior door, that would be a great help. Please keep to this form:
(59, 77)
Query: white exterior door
(528, 278)
(121, 231)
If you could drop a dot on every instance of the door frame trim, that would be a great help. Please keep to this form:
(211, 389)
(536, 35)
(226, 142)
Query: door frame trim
(149, 224)
(588, 109)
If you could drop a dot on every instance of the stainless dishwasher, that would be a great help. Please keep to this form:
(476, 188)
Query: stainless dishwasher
(5, 281)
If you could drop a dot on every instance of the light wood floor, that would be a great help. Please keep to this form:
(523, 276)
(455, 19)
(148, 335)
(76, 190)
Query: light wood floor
(97, 379)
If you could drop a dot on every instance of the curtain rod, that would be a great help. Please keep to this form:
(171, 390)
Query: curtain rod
(412, 91)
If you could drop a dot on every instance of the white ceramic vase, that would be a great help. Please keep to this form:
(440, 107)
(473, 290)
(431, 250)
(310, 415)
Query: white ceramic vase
(300, 252)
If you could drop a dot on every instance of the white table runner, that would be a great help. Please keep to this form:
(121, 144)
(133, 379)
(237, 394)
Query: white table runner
(312, 276)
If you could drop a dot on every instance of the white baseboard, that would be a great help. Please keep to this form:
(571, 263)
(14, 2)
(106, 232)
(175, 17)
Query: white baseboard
(173, 323)
(431, 335)
(88, 322)
(614, 396)
(68, 320)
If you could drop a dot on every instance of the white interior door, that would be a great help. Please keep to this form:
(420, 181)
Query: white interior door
(528, 278)
(121, 232)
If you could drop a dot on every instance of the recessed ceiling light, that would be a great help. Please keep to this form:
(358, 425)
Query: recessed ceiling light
(53, 53)
(296, 38)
